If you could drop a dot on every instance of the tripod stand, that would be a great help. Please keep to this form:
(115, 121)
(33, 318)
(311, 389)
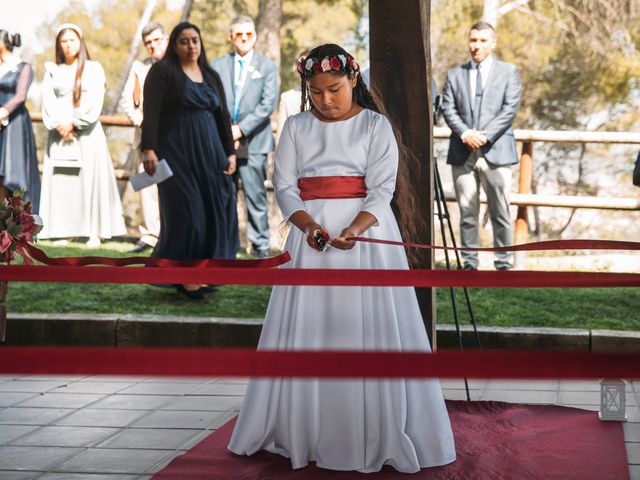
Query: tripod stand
(443, 216)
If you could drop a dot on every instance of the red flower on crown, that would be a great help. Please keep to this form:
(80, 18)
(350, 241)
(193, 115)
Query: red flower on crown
(335, 63)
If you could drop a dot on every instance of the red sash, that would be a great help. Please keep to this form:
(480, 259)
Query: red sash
(313, 188)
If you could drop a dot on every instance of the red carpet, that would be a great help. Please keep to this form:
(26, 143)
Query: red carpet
(494, 441)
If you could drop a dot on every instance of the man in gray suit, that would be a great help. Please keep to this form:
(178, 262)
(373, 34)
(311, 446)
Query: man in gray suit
(250, 83)
(480, 100)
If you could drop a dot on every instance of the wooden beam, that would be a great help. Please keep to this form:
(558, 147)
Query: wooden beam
(401, 74)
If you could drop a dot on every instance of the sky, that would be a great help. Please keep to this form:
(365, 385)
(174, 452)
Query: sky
(26, 15)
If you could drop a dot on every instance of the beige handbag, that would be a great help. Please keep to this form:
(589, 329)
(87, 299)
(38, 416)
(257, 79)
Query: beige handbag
(66, 153)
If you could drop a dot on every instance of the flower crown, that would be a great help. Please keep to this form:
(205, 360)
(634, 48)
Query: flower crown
(309, 66)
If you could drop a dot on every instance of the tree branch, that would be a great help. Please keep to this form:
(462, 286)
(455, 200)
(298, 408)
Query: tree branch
(507, 7)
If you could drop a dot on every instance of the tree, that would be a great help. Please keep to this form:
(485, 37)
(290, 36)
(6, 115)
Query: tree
(579, 64)
(268, 25)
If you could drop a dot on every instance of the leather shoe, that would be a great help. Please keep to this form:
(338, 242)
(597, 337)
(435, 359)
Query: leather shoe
(140, 246)
(209, 289)
(503, 268)
(469, 267)
(262, 254)
(190, 294)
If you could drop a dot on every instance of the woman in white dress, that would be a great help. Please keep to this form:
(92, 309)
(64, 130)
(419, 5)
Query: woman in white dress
(79, 193)
(335, 172)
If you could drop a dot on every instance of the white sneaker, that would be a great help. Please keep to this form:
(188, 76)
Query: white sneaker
(93, 242)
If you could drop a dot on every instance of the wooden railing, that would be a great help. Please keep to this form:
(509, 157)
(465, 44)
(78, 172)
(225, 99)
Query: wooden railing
(524, 197)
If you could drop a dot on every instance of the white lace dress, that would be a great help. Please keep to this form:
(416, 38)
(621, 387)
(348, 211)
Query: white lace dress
(354, 424)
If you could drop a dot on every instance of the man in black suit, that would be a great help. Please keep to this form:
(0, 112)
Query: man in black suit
(480, 100)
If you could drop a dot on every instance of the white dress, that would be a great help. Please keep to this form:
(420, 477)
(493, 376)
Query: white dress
(353, 424)
(82, 200)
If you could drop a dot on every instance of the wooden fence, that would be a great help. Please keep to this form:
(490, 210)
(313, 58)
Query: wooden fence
(524, 197)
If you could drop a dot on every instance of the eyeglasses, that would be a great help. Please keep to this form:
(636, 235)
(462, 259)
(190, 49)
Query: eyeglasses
(153, 40)
(239, 35)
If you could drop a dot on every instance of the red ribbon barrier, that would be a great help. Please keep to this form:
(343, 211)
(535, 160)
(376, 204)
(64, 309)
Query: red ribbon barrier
(530, 364)
(577, 244)
(40, 256)
(291, 276)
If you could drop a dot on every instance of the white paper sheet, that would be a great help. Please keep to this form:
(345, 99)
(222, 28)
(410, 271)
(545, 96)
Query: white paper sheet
(143, 180)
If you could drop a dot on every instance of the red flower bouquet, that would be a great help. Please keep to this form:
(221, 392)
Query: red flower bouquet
(321, 239)
(18, 226)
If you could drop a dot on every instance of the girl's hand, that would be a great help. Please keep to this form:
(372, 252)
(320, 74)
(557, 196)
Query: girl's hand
(317, 236)
(149, 161)
(341, 241)
(232, 165)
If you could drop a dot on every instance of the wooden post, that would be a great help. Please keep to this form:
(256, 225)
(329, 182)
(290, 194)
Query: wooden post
(401, 73)
(524, 186)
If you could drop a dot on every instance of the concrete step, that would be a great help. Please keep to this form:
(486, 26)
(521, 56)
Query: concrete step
(169, 331)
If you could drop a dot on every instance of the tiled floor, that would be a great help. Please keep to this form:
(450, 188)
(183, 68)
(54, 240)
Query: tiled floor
(126, 428)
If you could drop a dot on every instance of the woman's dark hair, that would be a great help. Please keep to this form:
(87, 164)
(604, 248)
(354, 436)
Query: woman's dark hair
(176, 79)
(404, 203)
(83, 56)
(10, 41)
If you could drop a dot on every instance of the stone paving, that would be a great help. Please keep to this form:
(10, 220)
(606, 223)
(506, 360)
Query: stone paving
(127, 428)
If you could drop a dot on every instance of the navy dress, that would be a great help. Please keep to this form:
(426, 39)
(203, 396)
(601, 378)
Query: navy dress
(18, 160)
(198, 216)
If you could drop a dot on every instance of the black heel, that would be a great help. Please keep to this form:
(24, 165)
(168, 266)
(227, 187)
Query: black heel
(190, 294)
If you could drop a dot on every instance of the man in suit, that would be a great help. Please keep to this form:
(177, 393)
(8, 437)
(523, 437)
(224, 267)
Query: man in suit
(480, 100)
(155, 41)
(250, 83)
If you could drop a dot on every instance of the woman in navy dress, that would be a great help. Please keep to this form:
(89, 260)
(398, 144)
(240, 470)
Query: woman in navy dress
(18, 160)
(187, 124)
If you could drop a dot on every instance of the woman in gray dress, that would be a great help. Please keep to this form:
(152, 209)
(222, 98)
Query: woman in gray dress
(79, 192)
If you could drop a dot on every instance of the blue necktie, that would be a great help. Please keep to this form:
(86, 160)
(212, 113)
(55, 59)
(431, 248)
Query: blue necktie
(238, 90)
(478, 99)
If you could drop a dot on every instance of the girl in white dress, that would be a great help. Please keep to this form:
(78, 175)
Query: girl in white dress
(79, 193)
(336, 173)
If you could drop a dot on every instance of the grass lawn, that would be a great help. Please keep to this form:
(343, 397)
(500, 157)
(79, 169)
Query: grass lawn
(614, 308)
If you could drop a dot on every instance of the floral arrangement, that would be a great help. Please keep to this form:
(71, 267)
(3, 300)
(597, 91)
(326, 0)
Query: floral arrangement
(18, 225)
(309, 66)
(321, 239)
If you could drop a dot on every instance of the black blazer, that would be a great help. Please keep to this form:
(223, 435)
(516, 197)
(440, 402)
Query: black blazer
(161, 104)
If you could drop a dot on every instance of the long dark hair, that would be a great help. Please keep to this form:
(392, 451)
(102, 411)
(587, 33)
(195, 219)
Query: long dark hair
(9, 40)
(83, 56)
(176, 78)
(404, 203)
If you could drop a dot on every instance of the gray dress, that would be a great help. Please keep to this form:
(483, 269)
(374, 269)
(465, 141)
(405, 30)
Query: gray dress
(79, 193)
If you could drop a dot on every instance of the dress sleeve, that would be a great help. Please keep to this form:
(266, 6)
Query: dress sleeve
(382, 167)
(154, 93)
(126, 101)
(92, 97)
(285, 174)
(50, 115)
(24, 82)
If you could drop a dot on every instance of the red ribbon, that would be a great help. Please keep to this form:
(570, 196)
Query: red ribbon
(40, 256)
(203, 362)
(533, 246)
(336, 277)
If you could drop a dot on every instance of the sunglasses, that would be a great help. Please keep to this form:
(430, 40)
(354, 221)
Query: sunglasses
(239, 35)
